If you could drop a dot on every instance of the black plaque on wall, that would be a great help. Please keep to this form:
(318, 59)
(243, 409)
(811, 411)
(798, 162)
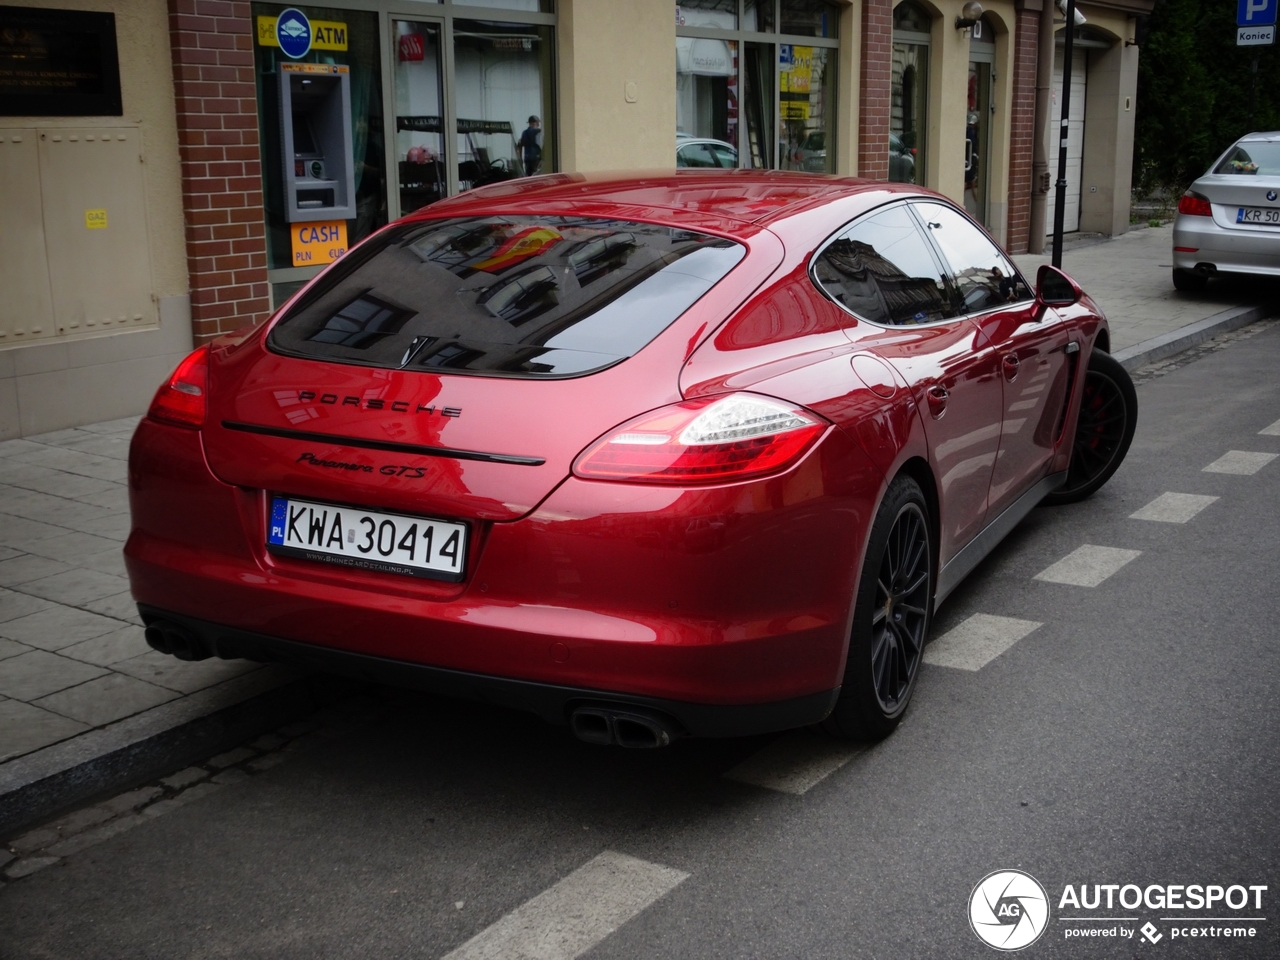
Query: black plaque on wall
(58, 63)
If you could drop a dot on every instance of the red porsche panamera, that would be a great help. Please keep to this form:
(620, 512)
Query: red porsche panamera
(690, 454)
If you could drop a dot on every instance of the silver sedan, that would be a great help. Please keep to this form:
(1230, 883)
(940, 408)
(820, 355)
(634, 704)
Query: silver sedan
(1229, 219)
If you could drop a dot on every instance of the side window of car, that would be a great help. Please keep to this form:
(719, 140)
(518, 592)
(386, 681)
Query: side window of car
(983, 276)
(695, 155)
(882, 270)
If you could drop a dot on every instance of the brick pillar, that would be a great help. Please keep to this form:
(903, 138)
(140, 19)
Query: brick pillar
(1022, 128)
(876, 78)
(212, 43)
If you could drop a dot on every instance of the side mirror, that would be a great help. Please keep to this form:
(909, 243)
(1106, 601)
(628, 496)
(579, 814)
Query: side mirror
(1054, 288)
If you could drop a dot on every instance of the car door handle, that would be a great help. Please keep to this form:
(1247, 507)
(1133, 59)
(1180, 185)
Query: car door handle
(1011, 365)
(937, 397)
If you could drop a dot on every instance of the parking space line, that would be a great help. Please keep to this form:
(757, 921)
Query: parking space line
(1240, 462)
(571, 917)
(794, 762)
(977, 641)
(1271, 431)
(1087, 566)
(1173, 507)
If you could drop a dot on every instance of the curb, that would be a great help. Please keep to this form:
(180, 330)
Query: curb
(44, 784)
(1175, 341)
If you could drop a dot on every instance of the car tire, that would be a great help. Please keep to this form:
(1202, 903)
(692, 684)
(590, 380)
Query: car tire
(891, 618)
(1104, 429)
(1188, 281)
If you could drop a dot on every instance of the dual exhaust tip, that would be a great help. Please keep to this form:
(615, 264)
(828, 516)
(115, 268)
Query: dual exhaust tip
(177, 641)
(623, 725)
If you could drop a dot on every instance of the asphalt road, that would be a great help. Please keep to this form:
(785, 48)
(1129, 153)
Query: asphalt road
(1129, 739)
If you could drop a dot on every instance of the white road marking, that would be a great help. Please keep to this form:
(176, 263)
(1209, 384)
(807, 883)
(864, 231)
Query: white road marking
(1023, 405)
(1271, 431)
(1173, 507)
(976, 642)
(1087, 566)
(1240, 462)
(569, 918)
(794, 762)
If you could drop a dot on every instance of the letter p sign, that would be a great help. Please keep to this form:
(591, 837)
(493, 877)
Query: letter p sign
(1256, 13)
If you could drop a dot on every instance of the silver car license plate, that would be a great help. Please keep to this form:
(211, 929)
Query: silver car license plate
(367, 539)
(1265, 216)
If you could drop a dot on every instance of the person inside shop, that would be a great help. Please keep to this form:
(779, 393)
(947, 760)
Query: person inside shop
(530, 148)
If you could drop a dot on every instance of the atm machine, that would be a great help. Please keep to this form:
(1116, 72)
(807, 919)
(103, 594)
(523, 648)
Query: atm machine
(315, 120)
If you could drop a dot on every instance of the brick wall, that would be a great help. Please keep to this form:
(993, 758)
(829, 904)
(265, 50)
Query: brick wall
(212, 43)
(1022, 129)
(873, 116)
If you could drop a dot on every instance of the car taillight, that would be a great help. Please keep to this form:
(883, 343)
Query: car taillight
(1194, 205)
(712, 440)
(183, 398)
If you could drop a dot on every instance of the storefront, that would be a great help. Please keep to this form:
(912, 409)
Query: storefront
(400, 78)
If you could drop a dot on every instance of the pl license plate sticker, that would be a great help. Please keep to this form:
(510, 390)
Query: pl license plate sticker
(1267, 216)
(367, 539)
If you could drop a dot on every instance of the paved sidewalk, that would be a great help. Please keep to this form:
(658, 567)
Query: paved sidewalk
(1131, 279)
(79, 687)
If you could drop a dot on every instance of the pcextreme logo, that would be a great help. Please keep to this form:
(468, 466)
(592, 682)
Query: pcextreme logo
(1008, 910)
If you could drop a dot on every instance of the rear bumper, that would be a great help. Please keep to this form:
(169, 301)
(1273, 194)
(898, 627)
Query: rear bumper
(731, 598)
(552, 702)
(1251, 251)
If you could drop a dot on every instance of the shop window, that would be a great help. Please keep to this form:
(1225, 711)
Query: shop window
(707, 89)
(909, 93)
(806, 81)
(809, 18)
(419, 105)
(709, 13)
(502, 82)
(772, 101)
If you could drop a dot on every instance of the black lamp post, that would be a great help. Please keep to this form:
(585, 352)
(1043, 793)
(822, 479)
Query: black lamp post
(1060, 195)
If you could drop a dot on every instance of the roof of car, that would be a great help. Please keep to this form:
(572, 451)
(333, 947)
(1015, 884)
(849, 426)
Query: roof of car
(1255, 137)
(748, 196)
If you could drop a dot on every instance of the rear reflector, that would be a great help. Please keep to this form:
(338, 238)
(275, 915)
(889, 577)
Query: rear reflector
(1194, 205)
(713, 440)
(184, 397)
(1186, 249)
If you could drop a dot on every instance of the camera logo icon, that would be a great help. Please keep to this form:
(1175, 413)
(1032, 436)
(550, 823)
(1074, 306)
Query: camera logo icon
(1008, 910)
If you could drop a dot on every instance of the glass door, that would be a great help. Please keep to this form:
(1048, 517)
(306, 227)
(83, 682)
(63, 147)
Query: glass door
(977, 141)
(420, 159)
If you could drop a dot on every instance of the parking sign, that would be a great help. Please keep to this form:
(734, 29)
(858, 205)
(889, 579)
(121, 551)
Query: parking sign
(1256, 13)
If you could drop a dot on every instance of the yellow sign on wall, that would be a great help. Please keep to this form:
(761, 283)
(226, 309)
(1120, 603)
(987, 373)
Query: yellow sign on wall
(95, 219)
(325, 34)
(318, 243)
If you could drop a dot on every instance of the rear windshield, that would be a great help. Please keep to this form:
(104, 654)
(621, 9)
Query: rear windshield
(1260, 157)
(505, 296)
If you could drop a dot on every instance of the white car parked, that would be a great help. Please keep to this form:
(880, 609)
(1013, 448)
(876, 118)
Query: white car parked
(1229, 219)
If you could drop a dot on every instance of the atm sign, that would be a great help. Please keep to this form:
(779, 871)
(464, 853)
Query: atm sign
(318, 243)
(325, 34)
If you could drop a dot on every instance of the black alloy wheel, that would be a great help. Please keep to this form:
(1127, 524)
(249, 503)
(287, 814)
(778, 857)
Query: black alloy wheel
(891, 618)
(1104, 429)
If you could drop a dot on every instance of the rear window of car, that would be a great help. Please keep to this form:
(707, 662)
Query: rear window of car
(515, 296)
(1259, 157)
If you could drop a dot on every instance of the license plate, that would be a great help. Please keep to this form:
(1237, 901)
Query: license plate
(1267, 216)
(367, 539)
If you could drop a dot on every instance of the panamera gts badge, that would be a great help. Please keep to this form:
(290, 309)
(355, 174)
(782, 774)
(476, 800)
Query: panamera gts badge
(387, 469)
(374, 403)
